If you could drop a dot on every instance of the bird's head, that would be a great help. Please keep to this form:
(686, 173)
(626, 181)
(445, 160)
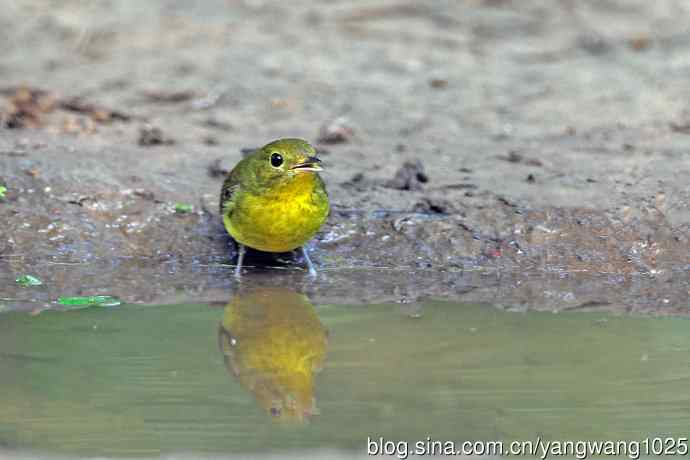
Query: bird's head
(283, 160)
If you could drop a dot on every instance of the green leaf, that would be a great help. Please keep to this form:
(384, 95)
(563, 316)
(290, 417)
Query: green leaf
(183, 208)
(89, 301)
(28, 280)
(3, 190)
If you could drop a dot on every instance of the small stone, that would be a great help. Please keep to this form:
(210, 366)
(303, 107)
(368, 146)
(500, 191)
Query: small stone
(438, 83)
(410, 176)
(151, 135)
(336, 131)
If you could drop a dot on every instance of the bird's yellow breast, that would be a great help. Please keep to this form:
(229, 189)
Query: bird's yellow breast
(281, 219)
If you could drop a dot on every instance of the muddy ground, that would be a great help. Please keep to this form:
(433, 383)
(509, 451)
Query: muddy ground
(534, 155)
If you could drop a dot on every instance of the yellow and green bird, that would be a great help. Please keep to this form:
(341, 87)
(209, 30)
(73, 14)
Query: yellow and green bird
(274, 200)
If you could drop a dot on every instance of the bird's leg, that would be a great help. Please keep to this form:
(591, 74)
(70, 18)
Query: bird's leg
(312, 270)
(240, 258)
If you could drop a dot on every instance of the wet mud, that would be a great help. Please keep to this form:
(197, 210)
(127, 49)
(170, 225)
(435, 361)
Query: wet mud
(525, 155)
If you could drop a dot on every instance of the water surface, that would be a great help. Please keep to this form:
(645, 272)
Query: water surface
(272, 372)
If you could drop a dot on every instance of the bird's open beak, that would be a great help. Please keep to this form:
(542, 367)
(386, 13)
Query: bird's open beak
(310, 164)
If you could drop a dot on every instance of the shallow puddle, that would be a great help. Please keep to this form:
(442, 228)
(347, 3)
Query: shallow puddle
(271, 372)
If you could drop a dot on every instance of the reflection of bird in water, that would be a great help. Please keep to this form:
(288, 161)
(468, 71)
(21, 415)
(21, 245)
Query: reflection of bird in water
(273, 342)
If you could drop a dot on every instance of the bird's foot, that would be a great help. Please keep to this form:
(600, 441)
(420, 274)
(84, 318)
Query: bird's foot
(240, 259)
(310, 265)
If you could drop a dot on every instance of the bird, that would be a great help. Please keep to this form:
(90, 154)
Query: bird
(274, 200)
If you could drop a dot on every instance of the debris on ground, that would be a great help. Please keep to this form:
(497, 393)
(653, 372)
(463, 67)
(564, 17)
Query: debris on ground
(28, 280)
(640, 42)
(144, 194)
(429, 205)
(150, 135)
(505, 201)
(336, 131)
(359, 182)
(438, 83)
(97, 113)
(183, 208)
(213, 122)
(216, 169)
(515, 157)
(460, 186)
(594, 44)
(210, 140)
(77, 125)
(683, 127)
(357, 178)
(26, 107)
(211, 99)
(169, 97)
(410, 176)
(246, 151)
(89, 301)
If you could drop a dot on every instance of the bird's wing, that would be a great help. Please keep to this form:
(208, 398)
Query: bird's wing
(230, 187)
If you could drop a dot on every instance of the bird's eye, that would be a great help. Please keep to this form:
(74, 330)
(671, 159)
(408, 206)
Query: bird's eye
(276, 160)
